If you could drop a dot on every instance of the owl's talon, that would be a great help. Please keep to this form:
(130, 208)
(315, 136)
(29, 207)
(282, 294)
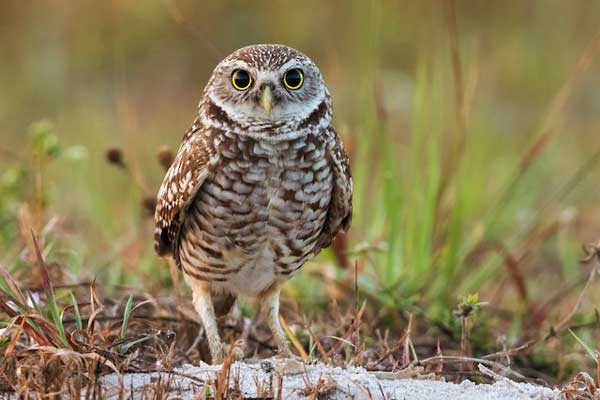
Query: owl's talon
(284, 351)
(236, 350)
(220, 354)
(291, 365)
(289, 356)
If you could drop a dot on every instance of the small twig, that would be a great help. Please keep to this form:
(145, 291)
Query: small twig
(510, 352)
(399, 343)
(457, 359)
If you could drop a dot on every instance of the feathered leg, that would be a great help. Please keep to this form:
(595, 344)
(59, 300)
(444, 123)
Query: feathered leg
(269, 307)
(206, 304)
(203, 304)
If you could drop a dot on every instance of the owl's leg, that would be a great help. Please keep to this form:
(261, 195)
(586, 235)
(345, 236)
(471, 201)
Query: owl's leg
(203, 303)
(269, 307)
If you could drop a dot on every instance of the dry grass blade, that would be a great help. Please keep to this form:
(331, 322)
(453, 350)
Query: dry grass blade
(547, 127)
(458, 78)
(563, 323)
(559, 102)
(11, 288)
(94, 301)
(11, 310)
(46, 333)
(439, 368)
(457, 148)
(322, 389)
(402, 342)
(318, 344)
(512, 264)
(67, 353)
(582, 387)
(295, 342)
(349, 335)
(222, 380)
(14, 340)
(509, 352)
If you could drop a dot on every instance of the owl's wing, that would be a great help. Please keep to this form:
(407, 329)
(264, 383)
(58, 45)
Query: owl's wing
(339, 214)
(180, 185)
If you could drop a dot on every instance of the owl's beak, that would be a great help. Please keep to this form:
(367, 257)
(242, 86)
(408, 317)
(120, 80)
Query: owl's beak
(266, 99)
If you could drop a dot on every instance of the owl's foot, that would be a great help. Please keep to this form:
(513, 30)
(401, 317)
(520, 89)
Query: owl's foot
(292, 365)
(283, 349)
(222, 351)
(216, 353)
(270, 308)
(236, 350)
(289, 357)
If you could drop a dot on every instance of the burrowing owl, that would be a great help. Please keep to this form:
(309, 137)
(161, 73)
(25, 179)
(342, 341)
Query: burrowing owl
(260, 184)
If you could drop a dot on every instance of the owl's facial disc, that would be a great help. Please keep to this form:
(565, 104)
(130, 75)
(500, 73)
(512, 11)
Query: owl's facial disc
(265, 84)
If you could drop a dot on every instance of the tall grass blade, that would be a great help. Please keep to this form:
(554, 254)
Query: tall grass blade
(55, 313)
(593, 353)
(78, 321)
(126, 315)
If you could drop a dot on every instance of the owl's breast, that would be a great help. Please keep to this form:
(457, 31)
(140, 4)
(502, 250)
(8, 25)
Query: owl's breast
(259, 214)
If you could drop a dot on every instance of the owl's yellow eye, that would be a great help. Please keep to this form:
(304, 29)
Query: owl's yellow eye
(293, 79)
(241, 80)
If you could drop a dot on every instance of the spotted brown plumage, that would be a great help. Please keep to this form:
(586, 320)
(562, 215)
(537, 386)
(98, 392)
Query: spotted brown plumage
(260, 184)
(180, 184)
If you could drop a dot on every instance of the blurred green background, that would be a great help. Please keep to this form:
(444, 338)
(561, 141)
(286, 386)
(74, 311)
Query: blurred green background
(473, 132)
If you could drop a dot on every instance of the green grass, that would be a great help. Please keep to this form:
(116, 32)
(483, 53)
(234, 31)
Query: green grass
(126, 316)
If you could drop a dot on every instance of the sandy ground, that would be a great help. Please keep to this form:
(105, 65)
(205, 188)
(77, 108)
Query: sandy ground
(298, 381)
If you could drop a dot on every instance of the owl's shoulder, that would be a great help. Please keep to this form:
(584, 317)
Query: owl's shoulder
(195, 159)
(339, 214)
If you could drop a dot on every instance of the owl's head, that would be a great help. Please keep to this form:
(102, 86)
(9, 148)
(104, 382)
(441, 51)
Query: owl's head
(267, 84)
